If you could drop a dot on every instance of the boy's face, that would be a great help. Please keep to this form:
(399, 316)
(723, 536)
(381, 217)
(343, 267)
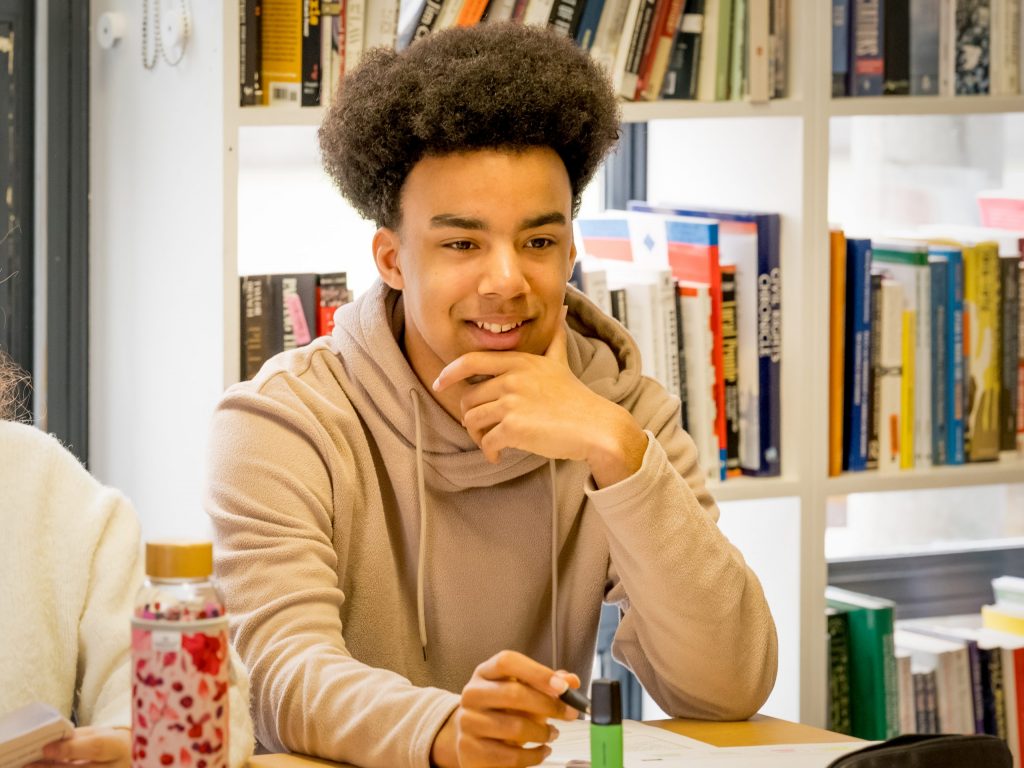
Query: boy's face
(482, 255)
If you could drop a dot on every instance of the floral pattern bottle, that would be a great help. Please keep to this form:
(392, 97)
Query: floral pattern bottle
(180, 663)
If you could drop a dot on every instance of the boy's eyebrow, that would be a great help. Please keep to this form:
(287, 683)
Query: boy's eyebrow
(466, 222)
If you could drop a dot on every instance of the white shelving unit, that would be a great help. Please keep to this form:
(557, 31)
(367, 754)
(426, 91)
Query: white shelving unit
(781, 166)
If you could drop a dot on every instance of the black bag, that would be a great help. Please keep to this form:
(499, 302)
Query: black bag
(931, 751)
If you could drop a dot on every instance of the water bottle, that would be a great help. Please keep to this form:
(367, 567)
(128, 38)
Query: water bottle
(180, 662)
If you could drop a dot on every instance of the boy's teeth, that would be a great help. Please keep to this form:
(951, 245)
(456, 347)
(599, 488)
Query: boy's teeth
(496, 328)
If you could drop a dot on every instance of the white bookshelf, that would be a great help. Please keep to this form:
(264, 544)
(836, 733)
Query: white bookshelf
(773, 156)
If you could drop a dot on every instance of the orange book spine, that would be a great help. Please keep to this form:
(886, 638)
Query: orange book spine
(836, 349)
(471, 12)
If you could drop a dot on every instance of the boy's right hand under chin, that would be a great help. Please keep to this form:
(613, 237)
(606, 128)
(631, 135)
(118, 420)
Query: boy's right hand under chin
(505, 706)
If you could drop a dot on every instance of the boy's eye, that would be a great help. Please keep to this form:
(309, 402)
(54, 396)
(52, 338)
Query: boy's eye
(459, 245)
(539, 242)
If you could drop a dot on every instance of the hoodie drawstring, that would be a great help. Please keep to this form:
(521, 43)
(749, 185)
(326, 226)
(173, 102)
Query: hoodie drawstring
(554, 568)
(421, 618)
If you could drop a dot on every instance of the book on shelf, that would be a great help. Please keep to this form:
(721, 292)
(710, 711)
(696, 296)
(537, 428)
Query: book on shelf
(926, 47)
(297, 52)
(874, 707)
(948, 656)
(996, 699)
(697, 249)
(836, 350)
(960, 367)
(889, 375)
(857, 346)
(750, 241)
(282, 312)
(837, 623)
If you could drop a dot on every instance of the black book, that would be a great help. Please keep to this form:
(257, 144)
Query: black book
(896, 29)
(618, 297)
(565, 16)
(257, 323)
(681, 76)
(295, 307)
(250, 30)
(311, 74)
(1009, 290)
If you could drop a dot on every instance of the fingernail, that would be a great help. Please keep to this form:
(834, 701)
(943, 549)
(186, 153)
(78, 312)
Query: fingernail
(547, 752)
(435, 385)
(560, 684)
(553, 733)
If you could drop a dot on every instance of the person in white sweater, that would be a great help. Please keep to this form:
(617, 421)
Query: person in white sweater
(70, 565)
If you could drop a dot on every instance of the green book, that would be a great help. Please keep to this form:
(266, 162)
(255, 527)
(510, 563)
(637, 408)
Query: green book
(838, 670)
(874, 707)
(723, 63)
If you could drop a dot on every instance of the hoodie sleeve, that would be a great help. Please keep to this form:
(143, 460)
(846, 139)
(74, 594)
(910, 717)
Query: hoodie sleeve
(270, 495)
(695, 629)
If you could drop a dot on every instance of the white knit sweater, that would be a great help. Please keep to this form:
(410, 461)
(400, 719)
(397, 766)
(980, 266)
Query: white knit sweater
(70, 566)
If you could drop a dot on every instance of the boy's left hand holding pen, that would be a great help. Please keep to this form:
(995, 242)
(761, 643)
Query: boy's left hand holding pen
(505, 706)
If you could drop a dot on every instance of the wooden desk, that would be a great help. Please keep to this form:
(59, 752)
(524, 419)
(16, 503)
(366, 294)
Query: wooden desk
(760, 729)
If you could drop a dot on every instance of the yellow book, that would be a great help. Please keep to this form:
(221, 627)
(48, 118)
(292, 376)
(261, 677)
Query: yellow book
(282, 52)
(836, 350)
(907, 391)
(1002, 619)
(981, 338)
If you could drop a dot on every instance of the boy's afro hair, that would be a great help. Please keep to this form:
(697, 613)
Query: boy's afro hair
(500, 86)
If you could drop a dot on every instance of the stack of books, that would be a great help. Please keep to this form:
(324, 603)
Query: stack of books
(700, 290)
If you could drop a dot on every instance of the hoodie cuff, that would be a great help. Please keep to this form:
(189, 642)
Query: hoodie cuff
(642, 482)
(430, 724)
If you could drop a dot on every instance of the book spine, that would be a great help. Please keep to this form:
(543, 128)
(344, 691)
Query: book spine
(924, 47)
(758, 67)
(1009, 301)
(682, 76)
(981, 300)
(940, 361)
(839, 674)
(249, 32)
(973, 38)
(922, 424)
(281, 54)
(920, 726)
(868, 60)
(1020, 365)
(708, 52)
(650, 45)
(995, 680)
(730, 372)
(977, 695)
(428, 19)
(1005, 48)
(738, 54)
(778, 47)
(637, 45)
(724, 49)
(620, 310)
(680, 339)
(563, 15)
(538, 12)
(355, 25)
(947, 47)
(667, 295)
(332, 293)
(589, 22)
(840, 47)
(655, 80)
(858, 342)
(907, 417)
(957, 398)
(296, 306)
(769, 351)
(896, 48)
(257, 323)
(875, 376)
(624, 47)
(604, 49)
(889, 331)
(837, 288)
(312, 47)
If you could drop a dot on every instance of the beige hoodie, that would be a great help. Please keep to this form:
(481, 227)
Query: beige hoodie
(313, 492)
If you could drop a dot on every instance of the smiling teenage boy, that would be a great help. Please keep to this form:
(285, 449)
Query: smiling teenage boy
(419, 517)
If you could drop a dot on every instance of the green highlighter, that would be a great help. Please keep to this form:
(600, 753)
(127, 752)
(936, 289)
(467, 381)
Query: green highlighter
(605, 724)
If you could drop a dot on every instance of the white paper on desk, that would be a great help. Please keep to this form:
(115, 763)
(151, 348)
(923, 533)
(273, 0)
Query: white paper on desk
(642, 743)
(646, 746)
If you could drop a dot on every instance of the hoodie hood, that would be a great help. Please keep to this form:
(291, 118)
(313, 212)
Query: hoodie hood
(600, 353)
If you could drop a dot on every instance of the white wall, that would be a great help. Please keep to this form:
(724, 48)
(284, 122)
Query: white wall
(157, 293)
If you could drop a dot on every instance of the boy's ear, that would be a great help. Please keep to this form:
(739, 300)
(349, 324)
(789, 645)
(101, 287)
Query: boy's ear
(572, 258)
(385, 256)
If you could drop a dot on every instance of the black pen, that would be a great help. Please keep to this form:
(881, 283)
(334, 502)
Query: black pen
(575, 699)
